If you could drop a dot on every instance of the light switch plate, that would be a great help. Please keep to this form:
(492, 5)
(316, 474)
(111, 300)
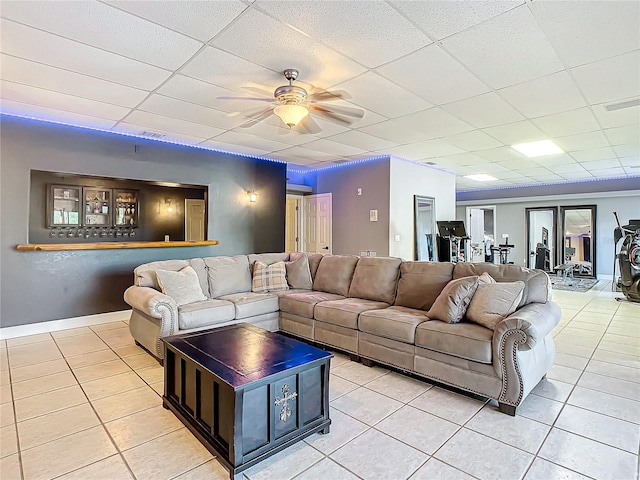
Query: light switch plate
(396, 238)
(373, 215)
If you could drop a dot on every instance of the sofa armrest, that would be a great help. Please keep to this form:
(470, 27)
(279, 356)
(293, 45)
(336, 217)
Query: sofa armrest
(150, 301)
(533, 322)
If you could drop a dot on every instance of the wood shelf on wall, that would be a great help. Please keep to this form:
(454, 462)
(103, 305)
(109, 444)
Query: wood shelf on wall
(51, 247)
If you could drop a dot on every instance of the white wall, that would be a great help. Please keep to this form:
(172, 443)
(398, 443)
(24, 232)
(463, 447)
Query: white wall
(510, 219)
(406, 180)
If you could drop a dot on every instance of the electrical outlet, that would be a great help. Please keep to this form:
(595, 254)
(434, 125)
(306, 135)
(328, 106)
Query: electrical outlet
(359, 191)
(505, 235)
(396, 238)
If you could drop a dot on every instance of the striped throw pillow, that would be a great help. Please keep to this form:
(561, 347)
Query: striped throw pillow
(269, 278)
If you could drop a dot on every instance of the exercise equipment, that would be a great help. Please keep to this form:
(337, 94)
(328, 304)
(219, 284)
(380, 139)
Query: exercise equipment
(628, 258)
(451, 241)
(503, 250)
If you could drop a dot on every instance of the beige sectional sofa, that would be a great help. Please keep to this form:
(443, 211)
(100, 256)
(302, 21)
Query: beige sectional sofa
(373, 308)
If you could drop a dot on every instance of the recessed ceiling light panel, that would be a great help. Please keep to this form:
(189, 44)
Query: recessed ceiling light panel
(538, 149)
(480, 177)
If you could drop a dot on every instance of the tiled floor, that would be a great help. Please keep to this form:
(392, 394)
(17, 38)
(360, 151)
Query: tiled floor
(84, 404)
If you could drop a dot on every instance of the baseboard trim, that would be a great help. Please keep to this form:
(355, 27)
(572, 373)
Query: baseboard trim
(63, 324)
(605, 277)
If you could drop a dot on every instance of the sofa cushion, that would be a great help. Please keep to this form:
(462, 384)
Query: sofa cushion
(493, 302)
(314, 260)
(375, 278)
(145, 275)
(345, 312)
(201, 270)
(250, 304)
(335, 273)
(537, 286)
(464, 340)
(267, 258)
(303, 304)
(205, 313)
(397, 323)
(299, 274)
(269, 278)
(453, 301)
(183, 286)
(228, 275)
(421, 282)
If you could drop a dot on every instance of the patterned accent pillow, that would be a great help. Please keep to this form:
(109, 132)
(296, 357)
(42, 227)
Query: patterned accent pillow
(183, 286)
(452, 303)
(493, 302)
(269, 278)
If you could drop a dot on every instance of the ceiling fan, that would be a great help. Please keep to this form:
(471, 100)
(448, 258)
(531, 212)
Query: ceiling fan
(293, 104)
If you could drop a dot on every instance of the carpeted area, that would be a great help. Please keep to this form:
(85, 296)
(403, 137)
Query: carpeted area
(573, 285)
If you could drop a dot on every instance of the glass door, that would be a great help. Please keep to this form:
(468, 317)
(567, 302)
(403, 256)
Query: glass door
(126, 208)
(64, 206)
(97, 206)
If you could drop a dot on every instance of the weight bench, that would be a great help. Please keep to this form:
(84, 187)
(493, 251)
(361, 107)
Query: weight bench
(567, 271)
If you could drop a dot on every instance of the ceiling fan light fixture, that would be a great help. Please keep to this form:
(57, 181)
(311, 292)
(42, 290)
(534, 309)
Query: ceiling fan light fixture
(291, 115)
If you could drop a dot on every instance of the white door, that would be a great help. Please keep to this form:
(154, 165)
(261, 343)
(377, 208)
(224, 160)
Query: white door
(317, 223)
(292, 234)
(194, 219)
(476, 232)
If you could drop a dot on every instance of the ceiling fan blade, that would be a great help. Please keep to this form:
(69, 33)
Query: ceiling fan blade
(261, 115)
(309, 125)
(328, 96)
(259, 91)
(323, 112)
(255, 99)
(340, 110)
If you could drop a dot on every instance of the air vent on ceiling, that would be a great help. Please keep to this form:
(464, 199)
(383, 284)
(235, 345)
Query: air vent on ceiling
(430, 163)
(620, 105)
(150, 134)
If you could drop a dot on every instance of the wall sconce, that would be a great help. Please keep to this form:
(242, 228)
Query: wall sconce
(253, 196)
(168, 205)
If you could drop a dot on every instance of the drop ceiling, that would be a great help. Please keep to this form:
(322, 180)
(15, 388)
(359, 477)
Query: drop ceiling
(453, 83)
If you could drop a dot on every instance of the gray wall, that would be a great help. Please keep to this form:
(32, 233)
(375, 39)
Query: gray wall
(41, 286)
(510, 219)
(352, 230)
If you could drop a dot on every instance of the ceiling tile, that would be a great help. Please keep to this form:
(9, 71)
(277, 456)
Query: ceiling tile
(491, 168)
(352, 27)
(532, 172)
(50, 78)
(550, 161)
(604, 153)
(279, 47)
(305, 155)
(170, 107)
(514, 133)
(464, 159)
(626, 150)
(43, 113)
(506, 49)
(421, 150)
(611, 79)
(277, 133)
(570, 28)
(333, 148)
(327, 128)
(522, 181)
(544, 96)
(485, 110)
(231, 148)
(444, 18)
(167, 125)
(126, 34)
(547, 178)
(472, 141)
(566, 168)
(567, 123)
(252, 141)
(519, 163)
(583, 175)
(616, 118)
(434, 75)
(507, 174)
(632, 171)
(394, 131)
(623, 135)
(630, 162)
(435, 122)
(600, 164)
(171, 137)
(501, 154)
(201, 20)
(378, 94)
(361, 140)
(609, 172)
(49, 49)
(205, 94)
(369, 117)
(60, 101)
(582, 141)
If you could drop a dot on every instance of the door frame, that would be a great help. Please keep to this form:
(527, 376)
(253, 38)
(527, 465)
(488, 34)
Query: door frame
(304, 220)
(561, 231)
(552, 238)
(299, 218)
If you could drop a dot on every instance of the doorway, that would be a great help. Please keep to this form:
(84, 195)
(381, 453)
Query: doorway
(481, 228)
(293, 222)
(425, 228)
(317, 223)
(194, 220)
(541, 237)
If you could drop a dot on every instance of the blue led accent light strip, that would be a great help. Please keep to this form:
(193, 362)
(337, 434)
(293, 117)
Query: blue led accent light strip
(141, 137)
(554, 184)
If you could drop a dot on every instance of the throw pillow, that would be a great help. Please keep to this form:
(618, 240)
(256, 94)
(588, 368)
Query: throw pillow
(493, 302)
(299, 273)
(452, 303)
(183, 286)
(269, 278)
(486, 278)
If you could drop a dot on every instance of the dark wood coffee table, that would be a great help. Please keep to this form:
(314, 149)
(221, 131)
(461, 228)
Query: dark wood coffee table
(246, 393)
